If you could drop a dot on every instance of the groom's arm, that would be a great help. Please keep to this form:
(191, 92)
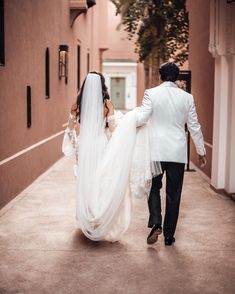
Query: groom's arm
(194, 128)
(145, 110)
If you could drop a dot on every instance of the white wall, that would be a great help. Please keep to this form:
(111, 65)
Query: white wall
(127, 70)
(222, 47)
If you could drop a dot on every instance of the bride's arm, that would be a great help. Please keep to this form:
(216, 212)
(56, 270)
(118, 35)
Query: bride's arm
(112, 123)
(111, 117)
(71, 133)
(73, 117)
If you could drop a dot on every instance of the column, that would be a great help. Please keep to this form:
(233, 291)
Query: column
(220, 123)
(230, 160)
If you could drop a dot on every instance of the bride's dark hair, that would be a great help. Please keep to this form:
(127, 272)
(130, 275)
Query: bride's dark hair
(105, 93)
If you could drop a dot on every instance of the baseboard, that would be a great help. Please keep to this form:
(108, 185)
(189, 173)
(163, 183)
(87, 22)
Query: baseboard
(208, 180)
(200, 172)
(223, 192)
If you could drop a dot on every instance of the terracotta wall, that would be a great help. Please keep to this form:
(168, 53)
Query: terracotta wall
(30, 27)
(201, 64)
(119, 45)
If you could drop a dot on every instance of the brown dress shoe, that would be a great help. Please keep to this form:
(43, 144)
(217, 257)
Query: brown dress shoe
(153, 236)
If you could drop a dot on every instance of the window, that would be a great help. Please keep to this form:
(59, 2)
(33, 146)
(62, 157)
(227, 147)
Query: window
(78, 67)
(47, 73)
(88, 62)
(63, 62)
(28, 102)
(2, 45)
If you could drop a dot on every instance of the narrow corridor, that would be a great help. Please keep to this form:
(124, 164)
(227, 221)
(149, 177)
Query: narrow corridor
(42, 250)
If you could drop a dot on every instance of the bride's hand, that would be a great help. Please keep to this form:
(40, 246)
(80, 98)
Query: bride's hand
(109, 105)
(74, 109)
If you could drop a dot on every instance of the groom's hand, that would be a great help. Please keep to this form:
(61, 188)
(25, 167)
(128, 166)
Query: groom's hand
(202, 160)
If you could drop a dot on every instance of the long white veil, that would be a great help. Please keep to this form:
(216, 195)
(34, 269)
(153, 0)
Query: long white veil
(105, 173)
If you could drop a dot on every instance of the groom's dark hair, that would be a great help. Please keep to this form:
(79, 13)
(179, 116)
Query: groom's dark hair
(169, 72)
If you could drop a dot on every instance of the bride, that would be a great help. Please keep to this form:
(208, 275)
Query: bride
(112, 161)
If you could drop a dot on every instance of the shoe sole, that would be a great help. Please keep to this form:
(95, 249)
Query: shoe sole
(153, 239)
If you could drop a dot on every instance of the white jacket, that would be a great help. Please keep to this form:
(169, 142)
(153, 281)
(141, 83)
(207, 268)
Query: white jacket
(169, 108)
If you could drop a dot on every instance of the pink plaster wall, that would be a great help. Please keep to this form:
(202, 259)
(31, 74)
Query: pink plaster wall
(120, 47)
(201, 64)
(30, 27)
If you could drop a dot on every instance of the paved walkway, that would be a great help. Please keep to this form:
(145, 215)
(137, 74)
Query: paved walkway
(42, 251)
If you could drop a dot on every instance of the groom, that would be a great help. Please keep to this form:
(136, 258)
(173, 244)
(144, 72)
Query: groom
(169, 108)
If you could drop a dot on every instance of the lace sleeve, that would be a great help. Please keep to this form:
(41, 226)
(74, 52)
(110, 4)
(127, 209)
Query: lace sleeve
(69, 145)
(112, 123)
(113, 120)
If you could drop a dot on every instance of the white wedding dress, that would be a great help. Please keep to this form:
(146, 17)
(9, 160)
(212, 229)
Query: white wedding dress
(113, 165)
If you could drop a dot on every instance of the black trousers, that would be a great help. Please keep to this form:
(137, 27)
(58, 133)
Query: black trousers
(174, 182)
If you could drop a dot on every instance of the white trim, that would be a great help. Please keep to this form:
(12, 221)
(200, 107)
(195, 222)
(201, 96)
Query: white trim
(30, 148)
(208, 145)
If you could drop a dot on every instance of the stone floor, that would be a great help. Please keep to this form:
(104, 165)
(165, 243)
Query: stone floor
(42, 250)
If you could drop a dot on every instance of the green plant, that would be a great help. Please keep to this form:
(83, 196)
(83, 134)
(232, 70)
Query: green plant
(162, 29)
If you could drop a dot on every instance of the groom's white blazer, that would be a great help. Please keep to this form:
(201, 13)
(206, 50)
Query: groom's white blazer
(168, 108)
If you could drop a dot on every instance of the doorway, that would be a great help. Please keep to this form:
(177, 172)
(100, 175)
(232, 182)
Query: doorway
(118, 92)
(184, 82)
